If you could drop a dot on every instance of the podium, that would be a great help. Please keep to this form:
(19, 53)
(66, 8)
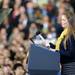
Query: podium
(42, 61)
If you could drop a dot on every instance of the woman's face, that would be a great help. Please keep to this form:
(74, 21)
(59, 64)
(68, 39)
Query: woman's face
(64, 21)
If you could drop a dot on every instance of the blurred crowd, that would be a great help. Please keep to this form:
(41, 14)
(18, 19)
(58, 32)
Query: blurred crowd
(27, 19)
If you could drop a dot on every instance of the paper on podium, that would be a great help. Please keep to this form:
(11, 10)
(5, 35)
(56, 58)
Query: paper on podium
(42, 61)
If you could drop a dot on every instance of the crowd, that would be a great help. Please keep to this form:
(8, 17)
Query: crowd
(26, 21)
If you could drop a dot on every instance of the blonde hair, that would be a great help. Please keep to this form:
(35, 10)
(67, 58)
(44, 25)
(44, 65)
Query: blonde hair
(69, 13)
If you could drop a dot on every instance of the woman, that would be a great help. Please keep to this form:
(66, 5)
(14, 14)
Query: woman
(66, 42)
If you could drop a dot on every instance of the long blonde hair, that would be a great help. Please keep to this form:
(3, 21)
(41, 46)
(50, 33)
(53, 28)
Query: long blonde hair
(69, 13)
